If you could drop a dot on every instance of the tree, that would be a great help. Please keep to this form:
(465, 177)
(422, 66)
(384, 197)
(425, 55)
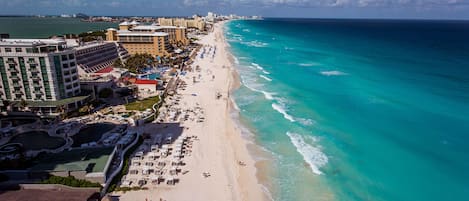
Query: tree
(86, 109)
(23, 104)
(138, 61)
(118, 64)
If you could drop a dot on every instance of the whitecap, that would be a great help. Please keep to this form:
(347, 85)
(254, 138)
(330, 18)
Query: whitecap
(265, 78)
(307, 64)
(305, 122)
(260, 68)
(311, 154)
(332, 73)
(235, 60)
(246, 30)
(255, 43)
(267, 95)
(282, 111)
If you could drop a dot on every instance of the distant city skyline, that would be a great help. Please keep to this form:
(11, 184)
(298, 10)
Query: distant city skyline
(419, 9)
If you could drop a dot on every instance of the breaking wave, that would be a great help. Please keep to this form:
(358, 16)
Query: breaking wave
(265, 78)
(311, 154)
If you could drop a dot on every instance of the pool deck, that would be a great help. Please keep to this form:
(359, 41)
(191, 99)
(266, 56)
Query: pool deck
(76, 160)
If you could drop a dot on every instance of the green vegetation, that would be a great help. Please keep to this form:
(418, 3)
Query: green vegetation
(70, 181)
(143, 104)
(138, 61)
(93, 35)
(86, 109)
(125, 167)
(105, 93)
(118, 64)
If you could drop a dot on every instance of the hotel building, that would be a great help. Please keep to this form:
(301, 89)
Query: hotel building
(140, 42)
(196, 22)
(42, 72)
(95, 56)
(177, 35)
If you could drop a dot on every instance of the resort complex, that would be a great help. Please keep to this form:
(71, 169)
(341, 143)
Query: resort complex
(148, 39)
(123, 114)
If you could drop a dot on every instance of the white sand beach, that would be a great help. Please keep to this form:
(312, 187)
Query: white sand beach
(220, 150)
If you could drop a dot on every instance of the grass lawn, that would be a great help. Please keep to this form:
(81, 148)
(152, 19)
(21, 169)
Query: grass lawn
(143, 104)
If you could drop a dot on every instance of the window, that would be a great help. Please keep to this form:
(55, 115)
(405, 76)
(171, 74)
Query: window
(32, 50)
(71, 56)
(64, 57)
(72, 64)
(64, 65)
(18, 49)
(7, 49)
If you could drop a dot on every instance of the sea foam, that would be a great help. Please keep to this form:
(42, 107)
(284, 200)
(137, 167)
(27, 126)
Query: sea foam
(332, 73)
(267, 95)
(265, 78)
(283, 111)
(260, 68)
(311, 154)
(255, 43)
(307, 64)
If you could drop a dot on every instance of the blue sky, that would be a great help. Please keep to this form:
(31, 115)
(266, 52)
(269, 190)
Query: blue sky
(434, 9)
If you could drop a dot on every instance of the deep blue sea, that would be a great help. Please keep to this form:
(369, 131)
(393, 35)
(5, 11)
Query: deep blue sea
(357, 109)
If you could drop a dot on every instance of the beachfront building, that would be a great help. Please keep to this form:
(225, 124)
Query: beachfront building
(40, 75)
(146, 86)
(196, 22)
(177, 34)
(95, 56)
(154, 42)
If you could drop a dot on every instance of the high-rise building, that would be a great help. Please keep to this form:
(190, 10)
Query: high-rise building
(41, 73)
(177, 34)
(196, 22)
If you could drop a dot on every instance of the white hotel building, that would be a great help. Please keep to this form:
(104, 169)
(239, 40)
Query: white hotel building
(42, 72)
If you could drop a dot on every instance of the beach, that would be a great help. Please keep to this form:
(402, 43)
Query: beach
(220, 148)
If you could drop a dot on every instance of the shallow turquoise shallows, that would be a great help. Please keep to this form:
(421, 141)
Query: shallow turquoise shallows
(357, 109)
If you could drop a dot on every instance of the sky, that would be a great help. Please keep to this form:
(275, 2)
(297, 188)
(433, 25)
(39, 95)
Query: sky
(419, 9)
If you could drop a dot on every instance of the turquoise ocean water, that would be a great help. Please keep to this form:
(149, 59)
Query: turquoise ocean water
(357, 109)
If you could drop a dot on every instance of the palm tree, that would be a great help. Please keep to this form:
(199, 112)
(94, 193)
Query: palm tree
(61, 110)
(23, 104)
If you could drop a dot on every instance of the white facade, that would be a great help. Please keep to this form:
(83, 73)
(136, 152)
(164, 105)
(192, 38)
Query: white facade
(37, 70)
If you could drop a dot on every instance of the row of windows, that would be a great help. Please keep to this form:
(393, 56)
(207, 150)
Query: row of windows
(9, 49)
(69, 57)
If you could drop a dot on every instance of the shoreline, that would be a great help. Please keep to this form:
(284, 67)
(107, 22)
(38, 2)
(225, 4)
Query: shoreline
(221, 150)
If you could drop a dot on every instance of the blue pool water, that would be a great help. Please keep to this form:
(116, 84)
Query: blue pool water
(357, 109)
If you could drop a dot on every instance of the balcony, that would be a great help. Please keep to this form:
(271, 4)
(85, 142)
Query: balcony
(34, 70)
(36, 78)
(14, 77)
(32, 62)
(16, 85)
(18, 92)
(13, 70)
(38, 92)
(11, 62)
